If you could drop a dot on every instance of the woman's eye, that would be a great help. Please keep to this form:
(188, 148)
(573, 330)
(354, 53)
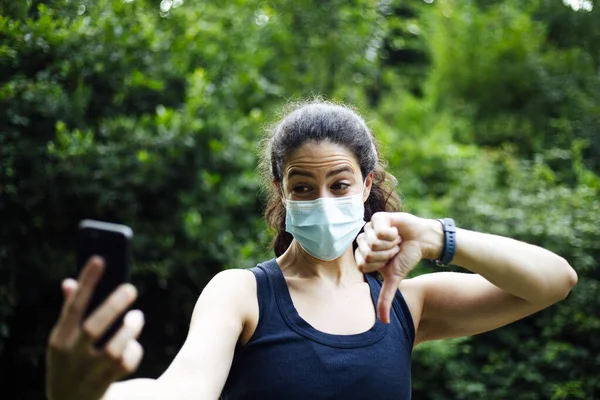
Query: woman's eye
(300, 188)
(340, 186)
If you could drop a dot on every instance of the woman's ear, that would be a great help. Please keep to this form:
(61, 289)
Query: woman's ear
(368, 185)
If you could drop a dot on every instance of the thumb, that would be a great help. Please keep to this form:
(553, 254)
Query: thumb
(68, 286)
(386, 297)
(393, 273)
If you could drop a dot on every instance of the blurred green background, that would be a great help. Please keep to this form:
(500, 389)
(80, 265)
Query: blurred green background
(149, 113)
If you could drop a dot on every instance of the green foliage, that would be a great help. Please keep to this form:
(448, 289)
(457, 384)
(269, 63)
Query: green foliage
(493, 81)
(149, 114)
(518, 83)
(123, 111)
(551, 354)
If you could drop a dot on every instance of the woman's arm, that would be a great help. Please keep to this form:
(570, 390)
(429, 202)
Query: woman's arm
(523, 270)
(511, 279)
(201, 367)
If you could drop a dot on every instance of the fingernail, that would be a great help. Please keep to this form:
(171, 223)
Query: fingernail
(134, 318)
(97, 260)
(126, 292)
(69, 283)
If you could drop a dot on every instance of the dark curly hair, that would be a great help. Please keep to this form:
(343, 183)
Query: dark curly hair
(316, 121)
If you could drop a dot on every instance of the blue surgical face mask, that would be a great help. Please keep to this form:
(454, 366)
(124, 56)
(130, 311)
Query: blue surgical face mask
(327, 226)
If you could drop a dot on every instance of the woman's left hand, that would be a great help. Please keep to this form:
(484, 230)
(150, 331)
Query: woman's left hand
(393, 244)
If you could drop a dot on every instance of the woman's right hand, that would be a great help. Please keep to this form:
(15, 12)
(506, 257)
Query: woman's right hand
(75, 369)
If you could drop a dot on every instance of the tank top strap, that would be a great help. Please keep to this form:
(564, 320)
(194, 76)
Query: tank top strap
(264, 291)
(404, 316)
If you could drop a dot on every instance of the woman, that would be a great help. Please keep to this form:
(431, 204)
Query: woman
(304, 325)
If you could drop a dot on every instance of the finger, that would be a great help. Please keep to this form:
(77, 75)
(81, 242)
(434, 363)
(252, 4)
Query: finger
(372, 260)
(360, 261)
(386, 297)
(375, 260)
(131, 329)
(408, 257)
(389, 233)
(381, 237)
(370, 235)
(75, 307)
(362, 244)
(382, 225)
(379, 245)
(126, 364)
(393, 273)
(368, 227)
(99, 321)
(361, 251)
(132, 356)
(59, 340)
(68, 286)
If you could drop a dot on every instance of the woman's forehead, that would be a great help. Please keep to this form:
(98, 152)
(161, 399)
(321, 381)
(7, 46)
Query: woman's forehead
(321, 157)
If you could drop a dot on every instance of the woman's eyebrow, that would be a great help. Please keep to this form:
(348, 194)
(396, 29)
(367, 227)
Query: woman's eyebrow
(300, 172)
(339, 171)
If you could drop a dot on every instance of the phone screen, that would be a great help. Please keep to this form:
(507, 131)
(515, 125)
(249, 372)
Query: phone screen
(111, 242)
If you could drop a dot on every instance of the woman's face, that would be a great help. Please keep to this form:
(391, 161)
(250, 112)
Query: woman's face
(323, 169)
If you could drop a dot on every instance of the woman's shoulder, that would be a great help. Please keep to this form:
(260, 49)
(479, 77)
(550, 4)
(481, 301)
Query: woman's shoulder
(232, 291)
(244, 278)
(237, 288)
(234, 282)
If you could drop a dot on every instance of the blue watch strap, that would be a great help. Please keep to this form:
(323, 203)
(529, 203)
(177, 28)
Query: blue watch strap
(449, 241)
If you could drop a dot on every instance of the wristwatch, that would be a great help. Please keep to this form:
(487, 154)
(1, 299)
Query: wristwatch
(449, 250)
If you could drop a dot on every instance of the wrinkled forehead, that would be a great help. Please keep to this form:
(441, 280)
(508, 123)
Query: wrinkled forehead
(320, 158)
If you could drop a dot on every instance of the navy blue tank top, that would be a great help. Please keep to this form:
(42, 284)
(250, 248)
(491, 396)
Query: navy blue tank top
(287, 358)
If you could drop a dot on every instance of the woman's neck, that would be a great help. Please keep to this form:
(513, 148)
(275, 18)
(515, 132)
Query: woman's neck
(296, 262)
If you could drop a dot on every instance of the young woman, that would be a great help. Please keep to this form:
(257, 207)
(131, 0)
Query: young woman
(314, 322)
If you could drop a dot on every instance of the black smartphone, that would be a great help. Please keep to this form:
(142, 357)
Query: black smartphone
(111, 242)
